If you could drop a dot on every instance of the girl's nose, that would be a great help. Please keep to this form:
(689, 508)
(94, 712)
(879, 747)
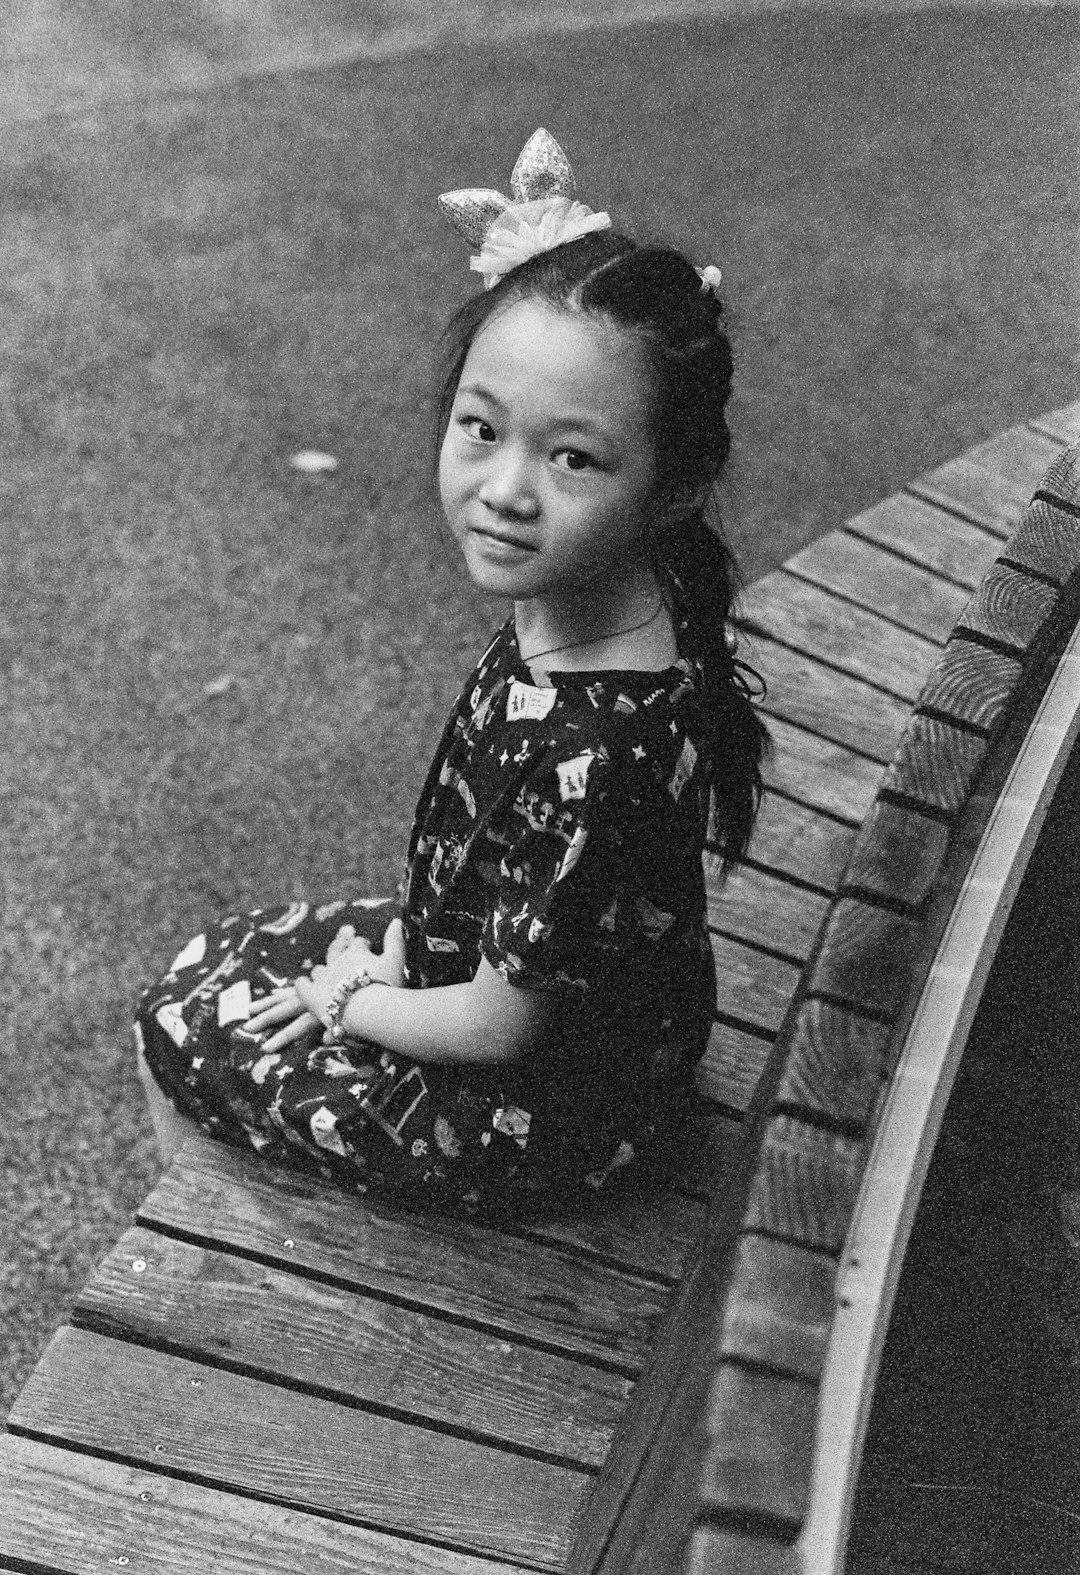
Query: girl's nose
(506, 487)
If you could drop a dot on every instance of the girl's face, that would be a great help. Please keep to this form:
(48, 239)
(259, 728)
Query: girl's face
(547, 471)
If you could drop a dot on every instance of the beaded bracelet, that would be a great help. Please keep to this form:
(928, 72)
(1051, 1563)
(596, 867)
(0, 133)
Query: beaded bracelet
(342, 995)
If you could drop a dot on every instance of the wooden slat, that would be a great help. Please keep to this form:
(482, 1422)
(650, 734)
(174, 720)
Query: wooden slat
(1009, 607)
(759, 1444)
(212, 1306)
(835, 1064)
(936, 764)
(153, 1409)
(1019, 453)
(792, 839)
(216, 1196)
(867, 958)
(1048, 541)
(898, 856)
(655, 1234)
(716, 1552)
(800, 614)
(913, 597)
(804, 1186)
(1062, 425)
(991, 484)
(731, 1066)
(751, 986)
(929, 536)
(829, 703)
(971, 684)
(779, 1307)
(766, 911)
(816, 772)
(78, 1515)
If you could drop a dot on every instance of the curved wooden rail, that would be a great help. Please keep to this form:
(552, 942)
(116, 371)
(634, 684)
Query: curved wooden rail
(266, 1373)
(868, 1054)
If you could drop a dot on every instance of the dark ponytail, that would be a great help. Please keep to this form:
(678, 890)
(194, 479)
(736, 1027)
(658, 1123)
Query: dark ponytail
(657, 295)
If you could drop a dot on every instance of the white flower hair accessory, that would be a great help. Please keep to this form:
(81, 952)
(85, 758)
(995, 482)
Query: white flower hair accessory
(540, 215)
(710, 277)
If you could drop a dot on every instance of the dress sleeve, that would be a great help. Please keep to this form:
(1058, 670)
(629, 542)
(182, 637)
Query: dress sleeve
(569, 898)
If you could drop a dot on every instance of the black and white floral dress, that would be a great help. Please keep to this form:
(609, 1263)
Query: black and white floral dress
(559, 835)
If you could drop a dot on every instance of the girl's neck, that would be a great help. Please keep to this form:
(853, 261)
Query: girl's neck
(626, 625)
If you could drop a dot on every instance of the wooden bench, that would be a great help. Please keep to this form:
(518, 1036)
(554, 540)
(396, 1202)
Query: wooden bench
(268, 1375)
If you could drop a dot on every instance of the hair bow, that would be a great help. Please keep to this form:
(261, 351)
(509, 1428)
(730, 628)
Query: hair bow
(540, 215)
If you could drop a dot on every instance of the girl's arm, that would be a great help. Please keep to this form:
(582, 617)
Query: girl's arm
(484, 1020)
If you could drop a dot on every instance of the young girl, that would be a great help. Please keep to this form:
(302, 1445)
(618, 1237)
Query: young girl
(528, 1023)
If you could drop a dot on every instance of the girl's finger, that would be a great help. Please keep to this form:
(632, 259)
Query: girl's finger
(297, 1029)
(279, 1011)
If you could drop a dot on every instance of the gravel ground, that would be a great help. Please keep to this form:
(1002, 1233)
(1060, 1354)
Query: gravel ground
(219, 680)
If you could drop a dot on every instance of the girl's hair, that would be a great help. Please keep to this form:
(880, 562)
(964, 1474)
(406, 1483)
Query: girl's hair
(656, 294)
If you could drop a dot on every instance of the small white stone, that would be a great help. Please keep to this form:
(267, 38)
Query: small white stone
(313, 462)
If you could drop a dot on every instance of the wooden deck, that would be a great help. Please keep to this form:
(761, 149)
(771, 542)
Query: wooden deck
(267, 1375)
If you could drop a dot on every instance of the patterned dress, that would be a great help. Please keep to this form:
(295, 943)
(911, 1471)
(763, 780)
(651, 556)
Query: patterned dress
(558, 835)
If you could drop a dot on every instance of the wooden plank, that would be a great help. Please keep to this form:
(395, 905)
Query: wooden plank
(716, 1552)
(751, 986)
(817, 773)
(936, 764)
(765, 911)
(1010, 607)
(992, 483)
(835, 1065)
(971, 684)
(813, 621)
(928, 536)
(195, 1302)
(911, 596)
(732, 1065)
(215, 1196)
(899, 855)
(1048, 541)
(867, 959)
(1062, 425)
(804, 1185)
(792, 839)
(827, 702)
(152, 1409)
(76, 1514)
(779, 1307)
(654, 1234)
(759, 1446)
(1019, 453)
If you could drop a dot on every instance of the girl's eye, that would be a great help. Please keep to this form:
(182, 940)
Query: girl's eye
(574, 459)
(476, 427)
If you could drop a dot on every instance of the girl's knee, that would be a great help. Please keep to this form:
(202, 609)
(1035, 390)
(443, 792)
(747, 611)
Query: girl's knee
(170, 1128)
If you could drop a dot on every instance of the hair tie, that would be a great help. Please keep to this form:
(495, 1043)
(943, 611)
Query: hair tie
(710, 277)
(540, 215)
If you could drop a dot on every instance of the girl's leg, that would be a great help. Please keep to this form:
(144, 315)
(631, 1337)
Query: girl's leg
(170, 1128)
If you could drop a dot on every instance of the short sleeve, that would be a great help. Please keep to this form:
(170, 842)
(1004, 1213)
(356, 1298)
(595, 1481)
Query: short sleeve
(569, 899)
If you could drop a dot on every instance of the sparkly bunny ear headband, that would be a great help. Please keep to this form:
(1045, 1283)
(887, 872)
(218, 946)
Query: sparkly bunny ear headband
(541, 214)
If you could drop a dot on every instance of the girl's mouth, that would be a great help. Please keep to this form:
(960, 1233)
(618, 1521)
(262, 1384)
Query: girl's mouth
(496, 546)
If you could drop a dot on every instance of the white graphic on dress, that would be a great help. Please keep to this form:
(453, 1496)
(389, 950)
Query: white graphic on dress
(574, 776)
(324, 1130)
(193, 953)
(684, 769)
(527, 703)
(294, 914)
(234, 1004)
(171, 1019)
(573, 852)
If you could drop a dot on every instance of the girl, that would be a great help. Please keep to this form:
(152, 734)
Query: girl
(528, 1023)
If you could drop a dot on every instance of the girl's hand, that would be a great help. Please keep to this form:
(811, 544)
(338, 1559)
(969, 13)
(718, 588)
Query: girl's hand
(302, 1007)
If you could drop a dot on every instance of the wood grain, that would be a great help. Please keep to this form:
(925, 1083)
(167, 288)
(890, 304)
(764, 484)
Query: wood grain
(759, 1445)
(792, 839)
(899, 855)
(867, 959)
(759, 908)
(1010, 607)
(1062, 425)
(929, 536)
(971, 684)
(835, 1064)
(992, 483)
(75, 1513)
(799, 613)
(217, 1196)
(936, 764)
(832, 704)
(804, 1184)
(732, 1065)
(152, 1409)
(716, 1552)
(751, 986)
(214, 1306)
(818, 773)
(779, 1307)
(654, 1234)
(1019, 453)
(911, 596)
(1048, 541)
